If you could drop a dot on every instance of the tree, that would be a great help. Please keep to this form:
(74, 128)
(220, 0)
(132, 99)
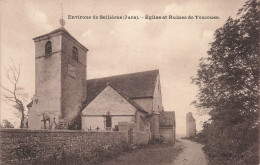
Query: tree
(6, 124)
(14, 95)
(228, 81)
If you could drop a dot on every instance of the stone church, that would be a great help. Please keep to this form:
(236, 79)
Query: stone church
(65, 99)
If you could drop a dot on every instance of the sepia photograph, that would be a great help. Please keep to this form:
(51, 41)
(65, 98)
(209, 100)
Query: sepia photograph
(131, 82)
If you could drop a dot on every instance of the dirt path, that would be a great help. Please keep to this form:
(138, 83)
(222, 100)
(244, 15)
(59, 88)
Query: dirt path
(192, 154)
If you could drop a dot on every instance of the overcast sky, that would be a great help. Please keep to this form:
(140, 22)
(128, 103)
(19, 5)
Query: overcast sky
(119, 46)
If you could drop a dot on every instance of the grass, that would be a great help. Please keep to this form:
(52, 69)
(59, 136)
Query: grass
(153, 153)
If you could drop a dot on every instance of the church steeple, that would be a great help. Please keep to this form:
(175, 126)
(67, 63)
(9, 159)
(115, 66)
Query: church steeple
(60, 75)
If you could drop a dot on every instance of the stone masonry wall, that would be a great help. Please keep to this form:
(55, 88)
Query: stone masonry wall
(48, 78)
(141, 137)
(73, 77)
(190, 125)
(20, 146)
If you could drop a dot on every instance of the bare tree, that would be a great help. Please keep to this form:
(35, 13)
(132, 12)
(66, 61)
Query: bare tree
(6, 124)
(12, 94)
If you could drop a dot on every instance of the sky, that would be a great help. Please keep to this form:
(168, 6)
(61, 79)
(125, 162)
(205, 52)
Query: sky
(174, 46)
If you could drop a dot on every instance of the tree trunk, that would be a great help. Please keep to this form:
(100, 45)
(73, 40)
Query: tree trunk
(22, 120)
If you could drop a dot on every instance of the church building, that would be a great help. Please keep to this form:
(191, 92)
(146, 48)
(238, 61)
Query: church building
(65, 99)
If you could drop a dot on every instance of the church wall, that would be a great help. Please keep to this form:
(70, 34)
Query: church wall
(109, 100)
(119, 109)
(151, 104)
(117, 119)
(99, 121)
(73, 77)
(92, 122)
(21, 146)
(157, 103)
(146, 103)
(47, 78)
(142, 124)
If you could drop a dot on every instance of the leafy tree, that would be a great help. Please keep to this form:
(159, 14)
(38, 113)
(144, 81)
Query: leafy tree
(14, 95)
(228, 81)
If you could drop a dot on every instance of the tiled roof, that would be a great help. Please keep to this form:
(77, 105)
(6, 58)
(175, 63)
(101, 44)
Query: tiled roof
(134, 85)
(129, 100)
(167, 119)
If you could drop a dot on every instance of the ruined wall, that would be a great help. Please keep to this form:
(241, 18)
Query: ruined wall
(43, 146)
(190, 125)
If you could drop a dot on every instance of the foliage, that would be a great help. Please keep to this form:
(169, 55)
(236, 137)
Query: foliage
(6, 124)
(228, 81)
(14, 95)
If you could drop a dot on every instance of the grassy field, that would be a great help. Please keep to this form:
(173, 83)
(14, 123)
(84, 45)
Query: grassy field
(153, 153)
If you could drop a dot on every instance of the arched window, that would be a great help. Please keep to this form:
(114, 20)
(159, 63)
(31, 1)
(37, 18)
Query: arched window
(48, 48)
(75, 53)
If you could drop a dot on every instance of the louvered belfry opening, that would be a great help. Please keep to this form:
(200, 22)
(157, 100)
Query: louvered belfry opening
(75, 53)
(48, 48)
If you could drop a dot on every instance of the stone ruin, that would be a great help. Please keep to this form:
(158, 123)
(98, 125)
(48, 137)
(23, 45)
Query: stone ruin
(190, 125)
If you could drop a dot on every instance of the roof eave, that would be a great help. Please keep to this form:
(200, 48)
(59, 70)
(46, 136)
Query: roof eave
(60, 31)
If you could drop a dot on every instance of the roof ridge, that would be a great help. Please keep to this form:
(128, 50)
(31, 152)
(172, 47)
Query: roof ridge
(85, 101)
(127, 74)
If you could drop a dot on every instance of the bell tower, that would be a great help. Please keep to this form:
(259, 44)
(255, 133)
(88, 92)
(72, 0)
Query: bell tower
(60, 80)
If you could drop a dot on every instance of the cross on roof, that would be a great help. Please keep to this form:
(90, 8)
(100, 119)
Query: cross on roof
(62, 21)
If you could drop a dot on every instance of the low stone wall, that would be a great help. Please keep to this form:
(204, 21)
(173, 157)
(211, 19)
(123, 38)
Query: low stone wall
(20, 146)
(141, 137)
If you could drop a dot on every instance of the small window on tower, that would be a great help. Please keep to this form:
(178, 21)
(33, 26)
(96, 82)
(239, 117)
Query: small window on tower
(48, 48)
(75, 53)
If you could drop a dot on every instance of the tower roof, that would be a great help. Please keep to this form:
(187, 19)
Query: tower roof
(60, 30)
